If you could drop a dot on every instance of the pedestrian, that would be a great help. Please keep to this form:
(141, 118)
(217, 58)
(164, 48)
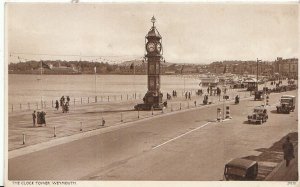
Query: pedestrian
(67, 107)
(63, 107)
(33, 118)
(288, 151)
(189, 95)
(68, 99)
(208, 90)
(195, 102)
(61, 101)
(103, 122)
(43, 116)
(56, 104)
(186, 95)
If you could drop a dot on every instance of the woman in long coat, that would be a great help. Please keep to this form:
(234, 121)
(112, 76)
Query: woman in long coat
(288, 151)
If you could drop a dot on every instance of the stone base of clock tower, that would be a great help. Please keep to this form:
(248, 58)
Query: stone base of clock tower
(151, 100)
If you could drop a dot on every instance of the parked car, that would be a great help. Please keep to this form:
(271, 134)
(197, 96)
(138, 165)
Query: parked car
(287, 104)
(259, 115)
(258, 95)
(241, 169)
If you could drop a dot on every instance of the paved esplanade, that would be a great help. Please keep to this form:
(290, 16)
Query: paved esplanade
(180, 146)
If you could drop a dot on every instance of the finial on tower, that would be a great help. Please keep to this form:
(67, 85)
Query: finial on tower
(153, 20)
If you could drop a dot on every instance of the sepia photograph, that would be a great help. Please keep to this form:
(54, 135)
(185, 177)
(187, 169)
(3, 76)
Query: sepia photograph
(108, 93)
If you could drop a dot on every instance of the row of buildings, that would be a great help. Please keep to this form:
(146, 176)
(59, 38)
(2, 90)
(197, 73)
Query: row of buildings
(283, 67)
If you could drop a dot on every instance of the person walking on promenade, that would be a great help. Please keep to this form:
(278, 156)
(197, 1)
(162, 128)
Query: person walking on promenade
(63, 107)
(56, 105)
(186, 95)
(61, 101)
(33, 118)
(208, 90)
(189, 95)
(288, 151)
(43, 116)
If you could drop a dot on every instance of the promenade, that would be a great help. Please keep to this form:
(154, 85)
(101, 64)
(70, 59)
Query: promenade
(87, 117)
(179, 145)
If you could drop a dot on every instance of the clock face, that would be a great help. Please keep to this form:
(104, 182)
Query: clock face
(150, 47)
(158, 47)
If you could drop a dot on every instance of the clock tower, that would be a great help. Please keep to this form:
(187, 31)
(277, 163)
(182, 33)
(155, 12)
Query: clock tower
(153, 56)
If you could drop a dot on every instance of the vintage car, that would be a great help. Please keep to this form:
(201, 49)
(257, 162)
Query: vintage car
(258, 95)
(259, 115)
(287, 104)
(241, 169)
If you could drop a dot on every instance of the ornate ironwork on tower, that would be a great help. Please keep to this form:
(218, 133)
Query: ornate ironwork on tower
(153, 56)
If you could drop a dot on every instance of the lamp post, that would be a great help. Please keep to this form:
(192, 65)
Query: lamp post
(257, 73)
(95, 86)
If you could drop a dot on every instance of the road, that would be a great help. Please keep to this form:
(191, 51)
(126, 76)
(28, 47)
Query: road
(186, 145)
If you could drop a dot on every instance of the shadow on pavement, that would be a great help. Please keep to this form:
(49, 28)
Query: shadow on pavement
(272, 156)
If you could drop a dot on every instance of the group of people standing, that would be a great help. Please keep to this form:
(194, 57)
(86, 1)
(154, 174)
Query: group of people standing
(64, 103)
(276, 84)
(217, 91)
(174, 93)
(188, 95)
(205, 99)
(39, 118)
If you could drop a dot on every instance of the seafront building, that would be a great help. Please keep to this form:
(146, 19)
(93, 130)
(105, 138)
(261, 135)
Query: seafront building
(286, 67)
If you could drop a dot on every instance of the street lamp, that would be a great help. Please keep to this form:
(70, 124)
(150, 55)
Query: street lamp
(257, 73)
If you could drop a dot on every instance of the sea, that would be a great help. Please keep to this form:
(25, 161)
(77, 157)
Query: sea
(23, 89)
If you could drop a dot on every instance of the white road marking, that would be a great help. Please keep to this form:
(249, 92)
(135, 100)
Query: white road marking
(181, 135)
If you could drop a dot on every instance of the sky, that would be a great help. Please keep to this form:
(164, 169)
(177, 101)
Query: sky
(191, 32)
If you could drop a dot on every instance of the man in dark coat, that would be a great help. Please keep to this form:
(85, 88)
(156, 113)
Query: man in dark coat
(288, 151)
(34, 118)
(56, 105)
